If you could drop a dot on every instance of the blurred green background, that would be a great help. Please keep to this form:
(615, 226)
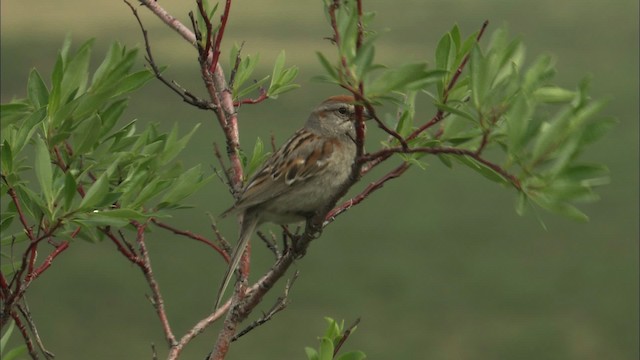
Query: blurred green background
(437, 264)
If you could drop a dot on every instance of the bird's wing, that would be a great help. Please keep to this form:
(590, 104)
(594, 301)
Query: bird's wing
(290, 166)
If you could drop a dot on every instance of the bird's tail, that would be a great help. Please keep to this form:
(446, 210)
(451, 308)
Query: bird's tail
(249, 223)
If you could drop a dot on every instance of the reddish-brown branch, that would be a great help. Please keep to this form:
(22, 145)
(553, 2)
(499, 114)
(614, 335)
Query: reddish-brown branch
(59, 160)
(208, 25)
(21, 284)
(345, 336)
(344, 69)
(23, 220)
(193, 236)
(229, 123)
(25, 335)
(157, 300)
(331, 216)
(3, 284)
(262, 97)
(186, 95)
(196, 330)
(124, 251)
(47, 262)
(449, 150)
(24, 310)
(223, 24)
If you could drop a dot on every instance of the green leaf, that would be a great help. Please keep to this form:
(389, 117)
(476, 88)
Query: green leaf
(278, 66)
(312, 354)
(480, 80)
(69, 191)
(133, 82)
(6, 220)
(36, 90)
(98, 218)
(249, 89)
(553, 94)
(154, 188)
(482, 169)
(257, 158)
(405, 78)
(111, 115)
(518, 118)
(15, 353)
(281, 78)
(44, 173)
(353, 355)
(88, 135)
(186, 184)
(330, 69)
(455, 36)
(96, 193)
(26, 130)
(522, 202)
(7, 159)
(172, 146)
(5, 337)
(113, 56)
(13, 112)
(283, 89)
(443, 52)
(326, 349)
(76, 72)
(364, 58)
(453, 110)
(245, 70)
(126, 214)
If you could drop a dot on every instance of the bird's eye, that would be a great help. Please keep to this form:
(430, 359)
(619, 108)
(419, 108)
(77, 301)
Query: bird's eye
(343, 110)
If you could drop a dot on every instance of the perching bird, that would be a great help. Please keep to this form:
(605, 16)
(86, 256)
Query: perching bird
(301, 178)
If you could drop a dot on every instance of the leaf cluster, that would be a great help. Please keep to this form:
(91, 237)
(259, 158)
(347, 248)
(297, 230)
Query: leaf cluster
(496, 115)
(332, 339)
(90, 169)
(535, 129)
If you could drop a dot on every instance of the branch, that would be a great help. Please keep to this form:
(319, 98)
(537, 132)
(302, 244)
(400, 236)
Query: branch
(449, 150)
(24, 310)
(47, 262)
(281, 304)
(335, 212)
(157, 300)
(130, 255)
(223, 24)
(193, 236)
(197, 329)
(25, 335)
(345, 336)
(186, 95)
(23, 220)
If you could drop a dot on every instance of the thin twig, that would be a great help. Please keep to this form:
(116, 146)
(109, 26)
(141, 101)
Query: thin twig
(224, 244)
(270, 242)
(186, 95)
(26, 314)
(281, 304)
(25, 335)
(454, 151)
(345, 336)
(335, 212)
(158, 301)
(193, 236)
(218, 155)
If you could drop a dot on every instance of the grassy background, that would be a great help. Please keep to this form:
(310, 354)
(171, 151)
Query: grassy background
(438, 265)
